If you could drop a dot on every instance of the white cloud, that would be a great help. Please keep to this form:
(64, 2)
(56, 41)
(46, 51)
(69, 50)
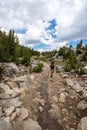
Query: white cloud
(34, 15)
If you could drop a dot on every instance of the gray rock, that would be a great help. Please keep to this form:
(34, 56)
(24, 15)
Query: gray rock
(85, 93)
(84, 76)
(31, 77)
(9, 110)
(1, 89)
(4, 96)
(0, 111)
(64, 111)
(16, 93)
(10, 91)
(65, 75)
(23, 114)
(82, 105)
(24, 84)
(54, 99)
(69, 82)
(18, 111)
(72, 129)
(1, 84)
(15, 102)
(78, 88)
(21, 79)
(82, 124)
(31, 125)
(40, 109)
(12, 84)
(4, 125)
(13, 66)
(23, 92)
(62, 98)
(26, 125)
(5, 87)
(13, 116)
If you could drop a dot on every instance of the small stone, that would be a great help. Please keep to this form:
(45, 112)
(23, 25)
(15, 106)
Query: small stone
(40, 109)
(4, 96)
(9, 110)
(12, 84)
(54, 99)
(15, 94)
(23, 114)
(41, 101)
(72, 129)
(82, 124)
(82, 105)
(62, 98)
(23, 91)
(64, 119)
(0, 111)
(18, 111)
(69, 82)
(5, 125)
(85, 93)
(5, 88)
(13, 116)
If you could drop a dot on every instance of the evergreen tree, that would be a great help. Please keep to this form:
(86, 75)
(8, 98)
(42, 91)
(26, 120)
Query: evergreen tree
(79, 48)
(10, 50)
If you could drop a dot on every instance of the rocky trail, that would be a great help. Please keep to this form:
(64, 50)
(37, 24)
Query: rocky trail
(39, 102)
(46, 121)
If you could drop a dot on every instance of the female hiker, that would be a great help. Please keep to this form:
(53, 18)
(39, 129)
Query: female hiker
(52, 67)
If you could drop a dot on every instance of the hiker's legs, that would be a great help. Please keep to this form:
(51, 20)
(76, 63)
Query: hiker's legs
(52, 73)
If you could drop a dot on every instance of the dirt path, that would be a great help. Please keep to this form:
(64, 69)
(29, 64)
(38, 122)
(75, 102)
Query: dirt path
(42, 101)
(46, 121)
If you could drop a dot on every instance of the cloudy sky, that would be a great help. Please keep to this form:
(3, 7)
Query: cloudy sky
(45, 24)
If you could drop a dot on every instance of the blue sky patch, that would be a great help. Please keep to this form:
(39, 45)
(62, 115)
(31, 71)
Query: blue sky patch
(46, 39)
(85, 41)
(74, 43)
(21, 31)
(51, 29)
(41, 46)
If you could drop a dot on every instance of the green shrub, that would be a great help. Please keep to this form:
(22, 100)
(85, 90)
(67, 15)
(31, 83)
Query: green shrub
(1, 69)
(72, 63)
(25, 61)
(67, 67)
(38, 68)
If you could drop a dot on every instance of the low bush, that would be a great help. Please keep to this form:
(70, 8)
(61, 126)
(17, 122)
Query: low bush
(1, 69)
(38, 68)
(67, 67)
